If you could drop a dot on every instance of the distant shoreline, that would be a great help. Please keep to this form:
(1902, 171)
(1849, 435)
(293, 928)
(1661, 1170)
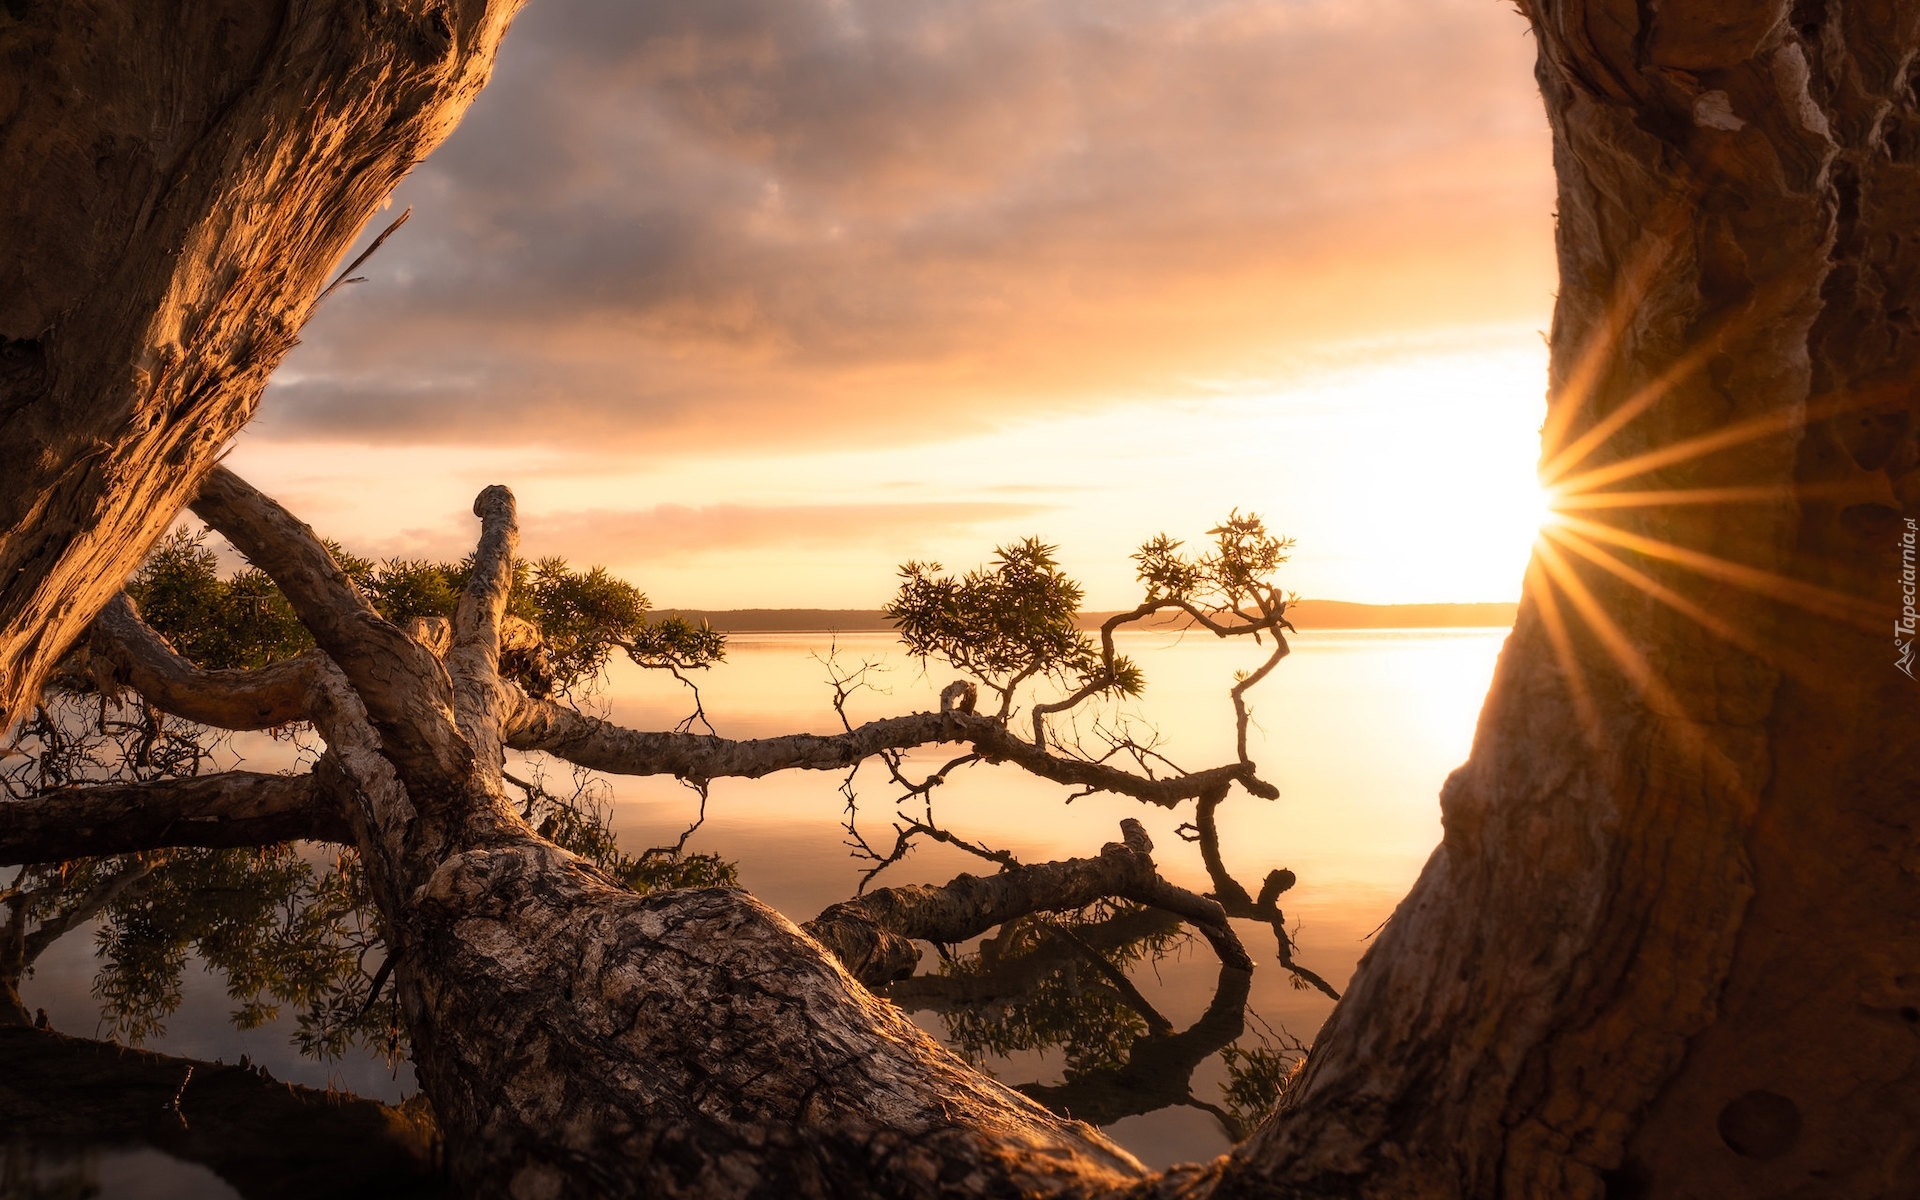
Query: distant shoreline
(1307, 615)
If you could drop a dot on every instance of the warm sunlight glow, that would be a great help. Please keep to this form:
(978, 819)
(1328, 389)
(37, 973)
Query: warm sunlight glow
(1405, 469)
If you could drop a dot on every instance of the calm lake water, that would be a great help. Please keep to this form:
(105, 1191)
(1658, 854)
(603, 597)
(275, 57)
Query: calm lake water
(1358, 729)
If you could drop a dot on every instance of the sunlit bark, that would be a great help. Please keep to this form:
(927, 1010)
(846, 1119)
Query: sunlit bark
(576, 1038)
(1665, 948)
(175, 183)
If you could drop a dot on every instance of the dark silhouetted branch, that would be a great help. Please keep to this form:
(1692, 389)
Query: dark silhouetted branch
(590, 742)
(233, 808)
(872, 935)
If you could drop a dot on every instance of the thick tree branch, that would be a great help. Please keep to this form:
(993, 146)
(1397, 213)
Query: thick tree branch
(406, 690)
(603, 746)
(233, 808)
(874, 934)
(258, 699)
(1010, 976)
(473, 659)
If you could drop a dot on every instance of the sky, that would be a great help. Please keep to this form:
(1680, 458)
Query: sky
(752, 300)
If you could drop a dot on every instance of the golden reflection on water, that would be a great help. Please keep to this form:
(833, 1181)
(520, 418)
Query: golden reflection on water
(1357, 728)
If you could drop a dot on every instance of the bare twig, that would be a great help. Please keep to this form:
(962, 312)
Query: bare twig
(343, 277)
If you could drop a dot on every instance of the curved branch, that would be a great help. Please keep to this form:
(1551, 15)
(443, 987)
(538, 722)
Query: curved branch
(140, 658)
(873, 934)
(406, 690)
(233, 808)
(538, 724)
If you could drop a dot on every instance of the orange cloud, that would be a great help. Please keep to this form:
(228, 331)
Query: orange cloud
(777, 220)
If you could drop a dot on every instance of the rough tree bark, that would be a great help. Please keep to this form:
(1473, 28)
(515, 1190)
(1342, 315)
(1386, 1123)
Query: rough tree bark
(1667, 945)
(175, 181)
(580, 1040)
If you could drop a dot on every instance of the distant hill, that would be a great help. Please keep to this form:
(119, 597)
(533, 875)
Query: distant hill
(1307, 614)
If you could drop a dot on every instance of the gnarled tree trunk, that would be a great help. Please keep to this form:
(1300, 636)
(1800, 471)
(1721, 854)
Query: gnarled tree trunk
(1668, 945)
(175, 181)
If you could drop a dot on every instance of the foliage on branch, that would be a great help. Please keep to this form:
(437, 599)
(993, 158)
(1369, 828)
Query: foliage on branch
(1237, 571)
(1003, 624)
(289, 929)
(238, 621)
(583, 617)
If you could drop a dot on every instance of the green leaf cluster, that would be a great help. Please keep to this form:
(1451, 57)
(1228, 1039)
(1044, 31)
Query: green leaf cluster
(1004, 624)
(1238, 570)
(242, 620)
(1257, 1078)
(238, 621)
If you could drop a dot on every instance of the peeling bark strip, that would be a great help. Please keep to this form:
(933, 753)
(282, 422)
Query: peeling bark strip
(175, 184)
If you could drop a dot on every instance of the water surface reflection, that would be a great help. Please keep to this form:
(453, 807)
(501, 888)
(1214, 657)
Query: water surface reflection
(1114, 1015)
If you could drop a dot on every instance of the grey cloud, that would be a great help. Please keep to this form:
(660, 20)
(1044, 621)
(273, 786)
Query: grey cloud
(816, 218)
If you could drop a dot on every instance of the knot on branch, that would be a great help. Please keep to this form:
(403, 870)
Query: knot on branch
(871, 953)
(494, 500)
(1133, 840)
(435, 633)
(959, 696)
(1278, 880)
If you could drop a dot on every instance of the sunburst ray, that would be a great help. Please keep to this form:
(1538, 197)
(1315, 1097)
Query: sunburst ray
(1826, 602)
(1771, 651)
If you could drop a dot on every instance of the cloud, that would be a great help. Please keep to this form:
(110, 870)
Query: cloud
(768, 220)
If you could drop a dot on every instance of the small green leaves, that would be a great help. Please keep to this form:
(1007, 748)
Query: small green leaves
(1005, 623)
(1239, 569)
(582, 616)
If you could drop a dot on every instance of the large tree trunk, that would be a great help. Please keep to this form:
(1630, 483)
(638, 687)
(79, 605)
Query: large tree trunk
(1668, 945)
(175, 181)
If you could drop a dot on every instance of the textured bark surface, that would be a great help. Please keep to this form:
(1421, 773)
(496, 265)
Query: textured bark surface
(580, 1040)
(534, 724)
(873, 935)
(232, 808)
(175, 182)
(1667, 947)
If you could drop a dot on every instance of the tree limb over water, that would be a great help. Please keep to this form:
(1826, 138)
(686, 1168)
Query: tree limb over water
(536, 991)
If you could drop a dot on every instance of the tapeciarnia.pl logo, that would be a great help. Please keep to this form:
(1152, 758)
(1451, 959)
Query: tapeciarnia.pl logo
(1903, 628)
